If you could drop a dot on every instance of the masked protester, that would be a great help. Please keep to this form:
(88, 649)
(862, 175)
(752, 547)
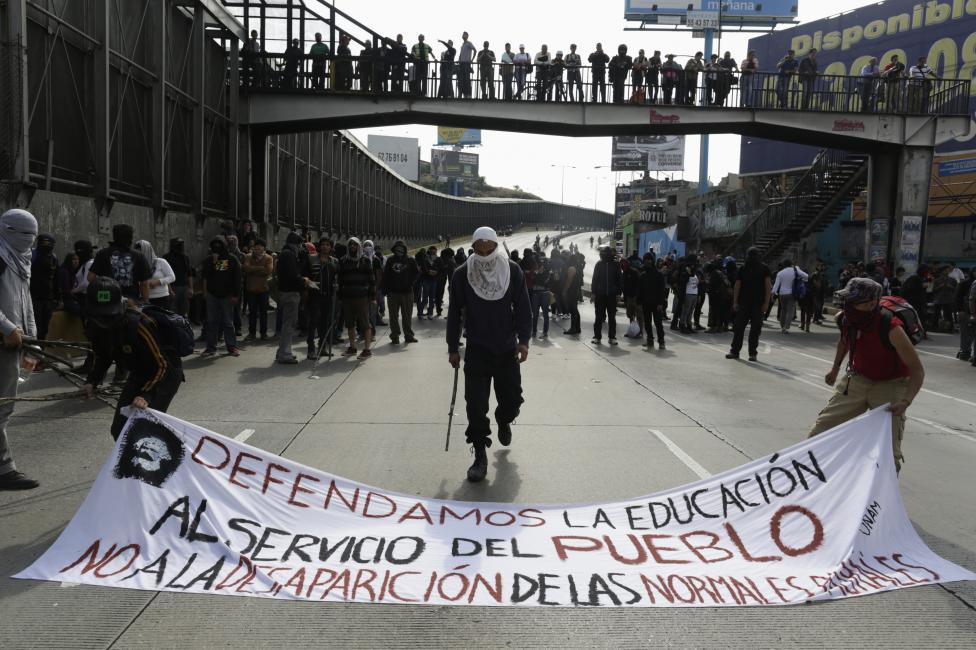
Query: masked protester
(123, 331)
(43, 282)
(399, 277)
(376, 262)
(183, 273)
(490, 295)
(322, 306)
(127, 267)
(751, 294)
(222, 287)
(357, 288)
(883, 366)
(162, 275)
(18, 228)
(607, 284)
(291, 282)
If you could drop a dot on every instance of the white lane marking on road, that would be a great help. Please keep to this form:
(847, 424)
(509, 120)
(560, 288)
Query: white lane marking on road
(690, 462)
(244, 435)
(924, 390)
(942, 428)
(936, 354)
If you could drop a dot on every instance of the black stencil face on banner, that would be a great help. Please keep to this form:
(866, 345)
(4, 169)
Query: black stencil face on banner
(150, 453)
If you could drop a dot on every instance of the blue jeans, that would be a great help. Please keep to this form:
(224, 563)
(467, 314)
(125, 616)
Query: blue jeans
(540, 300)
(428, 295)
(220, 314)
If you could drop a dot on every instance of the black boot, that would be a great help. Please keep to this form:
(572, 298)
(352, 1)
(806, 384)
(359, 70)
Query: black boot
(479, 468)
(14, 480)
(505, 434)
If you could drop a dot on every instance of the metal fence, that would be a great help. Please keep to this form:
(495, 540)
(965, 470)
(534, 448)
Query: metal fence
(559, 83)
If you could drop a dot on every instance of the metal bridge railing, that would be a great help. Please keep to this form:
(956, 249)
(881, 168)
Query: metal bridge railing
(559, 83)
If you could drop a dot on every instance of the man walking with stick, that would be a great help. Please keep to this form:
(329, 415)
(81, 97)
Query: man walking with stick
(489, 293)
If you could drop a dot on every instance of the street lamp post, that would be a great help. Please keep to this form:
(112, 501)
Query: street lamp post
(596, 180)
(562, 190)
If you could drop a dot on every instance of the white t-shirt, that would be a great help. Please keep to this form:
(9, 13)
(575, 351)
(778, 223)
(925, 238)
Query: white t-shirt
(163, 273)
(692, 288)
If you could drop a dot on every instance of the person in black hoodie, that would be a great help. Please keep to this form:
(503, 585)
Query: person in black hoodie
(399, 279)
(179, 261)
(444, 265)
(420, 258)
(357, 288)
(652, 294)
(291, 283)
(323, 271)
(606, 286)
(44, 282)
(222, 288)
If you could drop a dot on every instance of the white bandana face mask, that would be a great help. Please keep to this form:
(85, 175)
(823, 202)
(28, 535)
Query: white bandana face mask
(489, 276)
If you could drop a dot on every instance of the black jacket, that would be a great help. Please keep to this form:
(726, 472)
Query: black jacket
(356, 278)
(290, 269)
(651, 289)
(223, 276)
(400, 274)
(497, 325)
(607, 279)
(136, 342)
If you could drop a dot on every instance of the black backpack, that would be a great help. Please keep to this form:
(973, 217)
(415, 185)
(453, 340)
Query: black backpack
(175, 332)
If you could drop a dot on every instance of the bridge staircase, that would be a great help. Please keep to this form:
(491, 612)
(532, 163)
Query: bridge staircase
(834, 179)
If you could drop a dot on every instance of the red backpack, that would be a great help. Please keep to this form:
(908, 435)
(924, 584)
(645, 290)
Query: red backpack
(892, 306)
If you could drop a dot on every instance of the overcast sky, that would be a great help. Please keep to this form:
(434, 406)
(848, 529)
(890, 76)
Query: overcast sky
(509, 159)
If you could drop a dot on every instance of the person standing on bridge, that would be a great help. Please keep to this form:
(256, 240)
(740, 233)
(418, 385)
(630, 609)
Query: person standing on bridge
(598, 71)
(508, 71)
(692, 68)
(421, 54)
(747, 84)
(489, 292)
(670, 76)
(573, 77)
(620, 66)
(653, 77)
(868, 85)
(319, 53)
(465, 58)
(343, 64)
(486, 73)
(808, 71)
(293, 58)
(883, 367)
(446, 88)
(786, 68)
(542, 61)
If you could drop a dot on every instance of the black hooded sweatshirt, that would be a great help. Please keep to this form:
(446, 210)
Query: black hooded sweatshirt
(400, 272)
(221, 273)
(290, 265)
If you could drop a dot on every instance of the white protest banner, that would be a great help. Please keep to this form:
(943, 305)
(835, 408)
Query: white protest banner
(179, 508)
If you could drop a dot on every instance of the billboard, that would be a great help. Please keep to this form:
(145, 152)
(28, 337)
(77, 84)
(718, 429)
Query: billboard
(767, 11)
(447, 135)
(629, 197)
(944, 31)
(453, 164)
(402, 155)
(654, 153)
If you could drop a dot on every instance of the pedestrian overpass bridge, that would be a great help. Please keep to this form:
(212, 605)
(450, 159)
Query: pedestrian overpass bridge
(290, 112)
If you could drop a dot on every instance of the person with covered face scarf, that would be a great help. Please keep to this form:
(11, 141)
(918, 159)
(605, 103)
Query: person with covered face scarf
(490, 295)
(43, 282)
(183, 271)
(428, 282)
(399, 277)
(444, 265)
(357, 288)
(18, 228)
(234, 249)
(882, 368)
(606, 285)
(221, 274)
(322, 305)
(124, 331)
(119, 262)
(375, 307)
(291, 283)
(162, 275)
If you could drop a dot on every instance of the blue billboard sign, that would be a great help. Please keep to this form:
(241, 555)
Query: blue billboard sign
(943, 31)
(763, 11)
(957, 167)
(447, 135)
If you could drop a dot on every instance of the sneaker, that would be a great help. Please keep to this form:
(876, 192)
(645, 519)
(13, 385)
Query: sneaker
(287, 361)
(545, 335)
(595, 340)
(351, 350)
(233, 352)
(14, 480)
(571, 332)
(208, 353)
(753, 357)
(479, 468)
(613, 341)
(264, 336)
(420, 316)
(731, 355)
(249, 337)
(365, 354)
(410, 339)
(395, 340)
(505, 434)
(660, 345)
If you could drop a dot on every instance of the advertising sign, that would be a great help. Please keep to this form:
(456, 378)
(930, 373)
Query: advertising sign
(453, 164)
(447, 135)
(182, 509)
(648, 153)
(401, 154)
(629, 197)
(943, 31)
(762, 12)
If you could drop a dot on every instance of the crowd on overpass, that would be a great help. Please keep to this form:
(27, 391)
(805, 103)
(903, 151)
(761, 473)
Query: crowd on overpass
(463, 70)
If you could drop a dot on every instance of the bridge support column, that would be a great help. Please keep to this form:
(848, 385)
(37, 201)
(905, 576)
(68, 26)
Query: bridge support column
(898, 202)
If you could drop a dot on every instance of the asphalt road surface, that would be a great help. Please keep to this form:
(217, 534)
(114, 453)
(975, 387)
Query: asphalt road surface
(583, 436)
